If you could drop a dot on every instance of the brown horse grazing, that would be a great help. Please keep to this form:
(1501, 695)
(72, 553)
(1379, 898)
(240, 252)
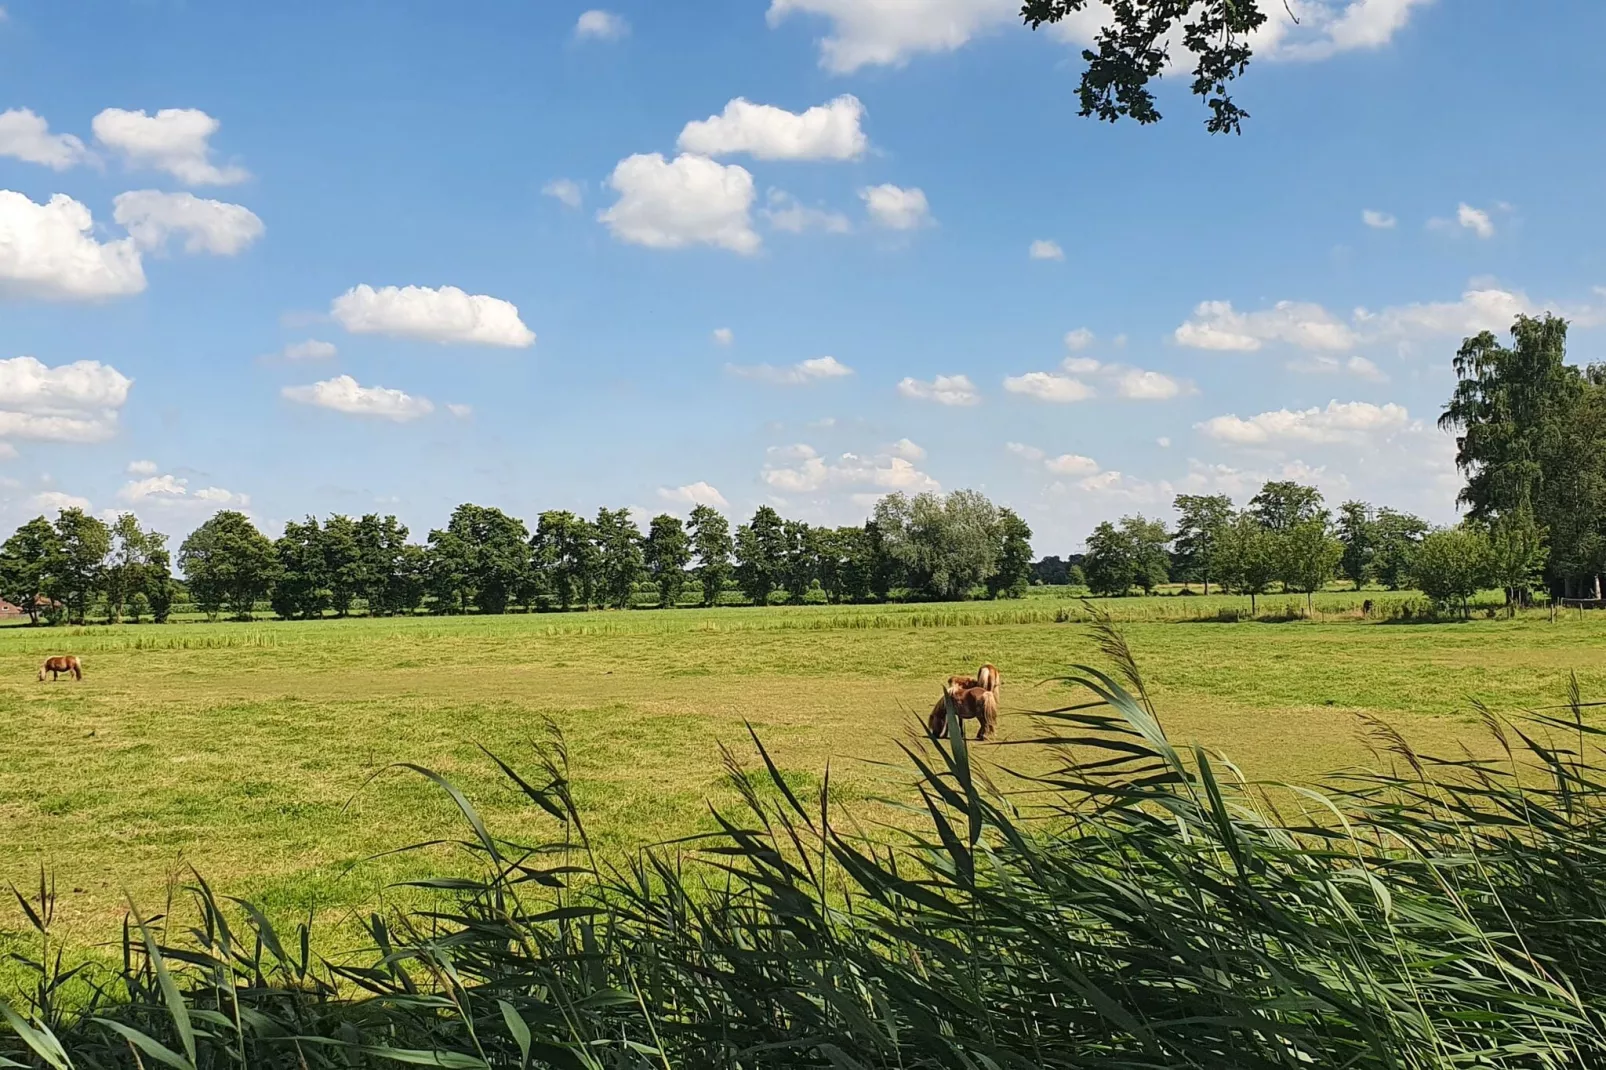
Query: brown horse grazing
(975, 698)
(58, 665)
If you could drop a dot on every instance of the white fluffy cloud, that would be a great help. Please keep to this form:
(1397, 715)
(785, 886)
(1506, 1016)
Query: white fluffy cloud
(907, 449)
(832, 131)
(564, 190)
(803, 372)
(174, 140)
(1377, 220)
(1346, 422)
(1321, 364)
(76, 402)
(1048, 386)
(151, 217)
(1066, 464)
(143, 468)
(53, 501)
(344, 394)
(891, 32)
(1141, 385)
(1486, 309)
(600, 26)
(944, 390)
(1310, 30)
(1043, 249)
(1475, 220)
(888, 32)
(699, 493)
(896, 208)
(445, 315)
(724, 336)
(690, 200)
(785, 212)
(808, 472)
(1217, 325)
(170, 490)
(25, 136)
(49, 251)
(460, 410)
(1079, 339)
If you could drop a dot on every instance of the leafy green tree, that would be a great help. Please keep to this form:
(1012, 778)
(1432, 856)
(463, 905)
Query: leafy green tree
(387, 576)
(620, 561)
(301, 587)
(799, 560)
(761, 555)
(159, 587)
(1013, 573)
(711, 543)
(856, 564)
(1075, 577)
(1247, 557)
(1134, 42)
(1453, 564)
(1355, 531)
(667, 553)
(481, 557)
(1283, 503)
(1517, 555)
(1395, 536)
(945, 545)
(228, 564)
(343, 563)
(1202, 516)
(1150, 559)
(886, 571)
(1051, 571)
(78, 571)
(1308, 557)
(136, 565)
(25, 562)
(566, 554)
(1110, 564)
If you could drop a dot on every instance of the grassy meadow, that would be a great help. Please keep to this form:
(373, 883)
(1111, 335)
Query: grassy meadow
(257, 753)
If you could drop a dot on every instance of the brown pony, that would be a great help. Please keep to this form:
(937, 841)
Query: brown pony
(58, 665)
(975, 698)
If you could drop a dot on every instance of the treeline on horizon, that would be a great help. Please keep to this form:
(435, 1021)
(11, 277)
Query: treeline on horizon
(929, 546)
(1531, 441)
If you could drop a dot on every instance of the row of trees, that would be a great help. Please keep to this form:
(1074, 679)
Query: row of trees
(1287, 537)
(58, 570)
(486, 561)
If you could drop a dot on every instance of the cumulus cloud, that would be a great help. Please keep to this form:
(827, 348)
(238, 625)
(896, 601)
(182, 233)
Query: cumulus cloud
(76, 402)
(799, 374)
(690, 200)
(699, 493)
(1217, 325)
(1486, 309)
(25, 136)
(1313, 30)
(1141, 385)
(808, 472)
(173, 491)
(1066, 464)
(174, 140)
(785, 212)
(724, 336)
(1079, 339)
(54, 501)
(598, 25)
(344, 394)
(564, 190)
(895, 208)
(143, 468)
(445, 315)
(459, 410)
(49, 251)
(832, 131)
(311, 349)
(1377, 220)
(908, 450)
(1043, 249)
(151, 217)
(1047, 386)
(944, 390)
(1320, 364)
(1339, 422)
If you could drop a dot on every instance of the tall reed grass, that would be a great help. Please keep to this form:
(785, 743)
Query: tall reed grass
(1139, 904)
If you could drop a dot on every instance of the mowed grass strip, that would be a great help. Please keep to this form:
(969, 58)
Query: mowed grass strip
(246, 750)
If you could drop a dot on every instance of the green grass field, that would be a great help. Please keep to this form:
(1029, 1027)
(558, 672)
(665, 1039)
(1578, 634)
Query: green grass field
(244, 749)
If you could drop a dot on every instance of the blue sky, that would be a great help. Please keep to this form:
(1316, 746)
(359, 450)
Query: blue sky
(293, 261)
